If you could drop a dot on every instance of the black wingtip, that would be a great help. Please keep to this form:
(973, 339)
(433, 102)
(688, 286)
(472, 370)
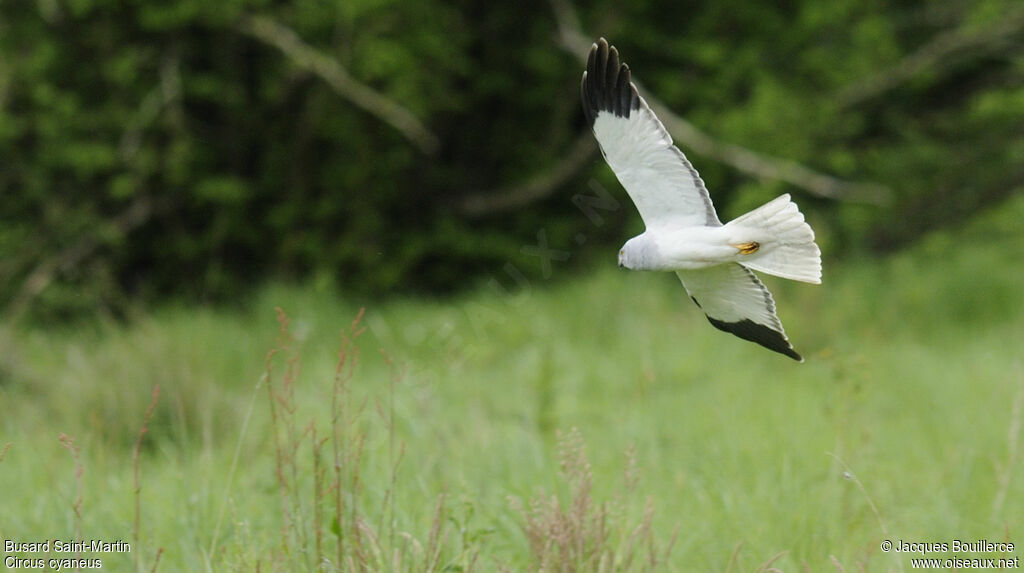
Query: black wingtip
(759, 333)
(607, 85)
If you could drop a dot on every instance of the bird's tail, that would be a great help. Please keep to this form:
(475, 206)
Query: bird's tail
(775, 239)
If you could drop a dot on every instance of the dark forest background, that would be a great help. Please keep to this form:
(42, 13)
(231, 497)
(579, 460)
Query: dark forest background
(191, 149)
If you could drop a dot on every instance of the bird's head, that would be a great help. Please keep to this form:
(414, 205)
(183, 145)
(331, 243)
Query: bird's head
(639, 254)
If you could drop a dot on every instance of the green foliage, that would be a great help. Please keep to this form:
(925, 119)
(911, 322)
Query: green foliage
(153, 148)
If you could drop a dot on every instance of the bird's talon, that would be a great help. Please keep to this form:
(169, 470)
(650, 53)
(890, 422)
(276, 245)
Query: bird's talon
(748, 248)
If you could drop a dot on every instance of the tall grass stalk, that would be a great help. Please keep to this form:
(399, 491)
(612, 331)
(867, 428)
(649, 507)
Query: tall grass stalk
(286, 438)
(577, 534)
(397, 374)
(347, 445)
(1005, 471)
(336, 504)
(137, 491)
(69, 443)
(231, 470)
(849, 475)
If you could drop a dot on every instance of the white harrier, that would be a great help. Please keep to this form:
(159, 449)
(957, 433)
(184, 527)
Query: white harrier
(683, 232)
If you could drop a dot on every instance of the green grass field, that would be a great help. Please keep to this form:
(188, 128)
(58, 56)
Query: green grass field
(597, 423)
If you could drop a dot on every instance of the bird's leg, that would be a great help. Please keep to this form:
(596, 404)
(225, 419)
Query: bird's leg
(747, 248)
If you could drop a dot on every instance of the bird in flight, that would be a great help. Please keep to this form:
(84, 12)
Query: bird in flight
(683, 233)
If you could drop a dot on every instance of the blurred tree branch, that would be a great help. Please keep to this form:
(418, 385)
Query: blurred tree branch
(573, 40)
(274, 33)
(137, 213)
(159, 98)
(538, 187)
(931, 55)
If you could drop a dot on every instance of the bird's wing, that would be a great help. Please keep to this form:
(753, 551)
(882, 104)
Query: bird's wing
(664, 186)
(735, 301)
